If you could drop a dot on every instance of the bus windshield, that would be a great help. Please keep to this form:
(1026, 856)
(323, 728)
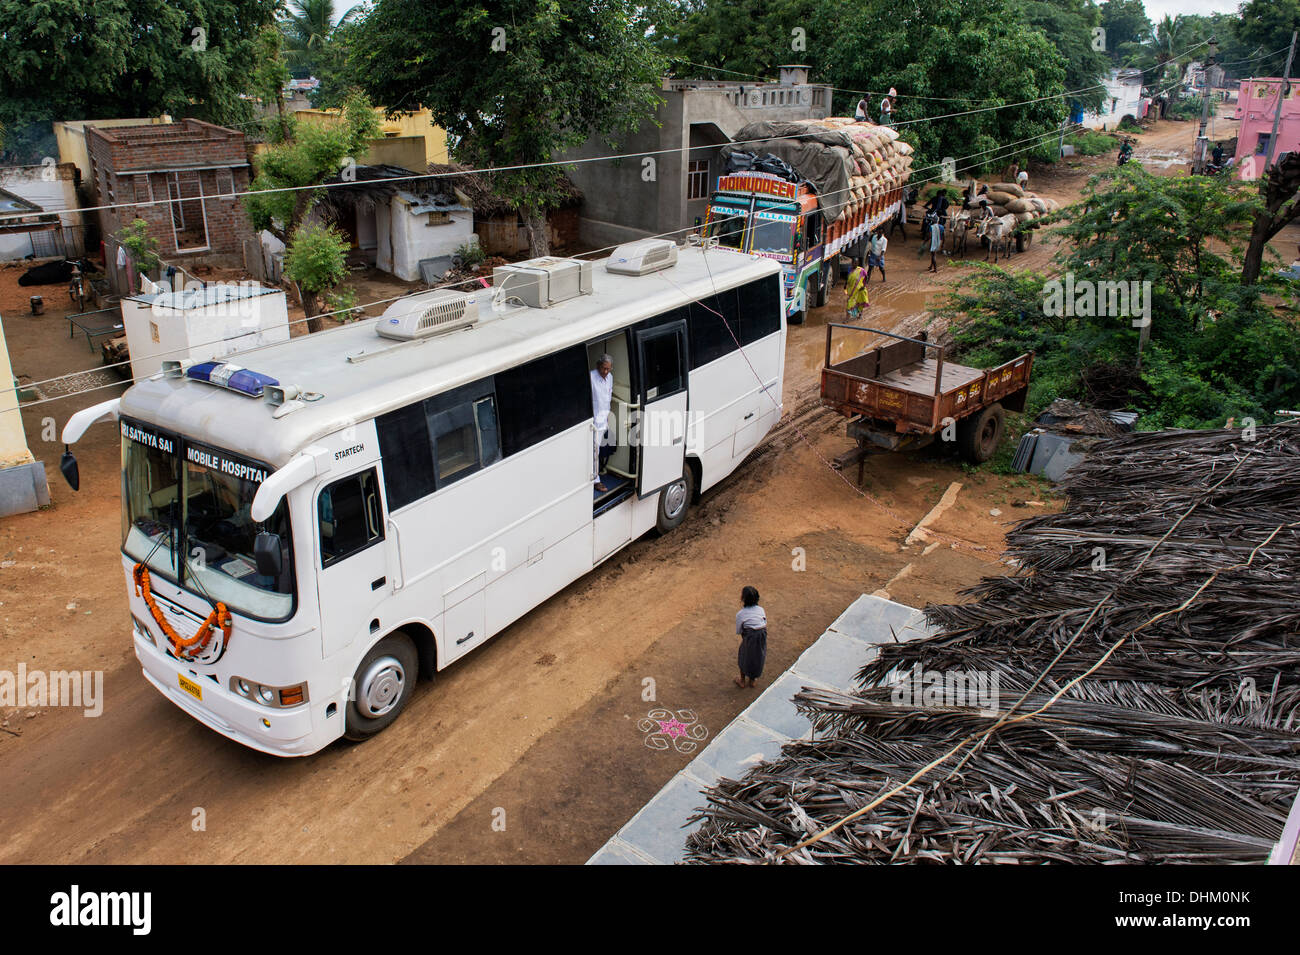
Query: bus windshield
(727, 224)
(183, 498)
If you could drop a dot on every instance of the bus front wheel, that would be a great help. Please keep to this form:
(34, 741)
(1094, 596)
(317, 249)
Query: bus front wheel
(674, 501)
(381, 686)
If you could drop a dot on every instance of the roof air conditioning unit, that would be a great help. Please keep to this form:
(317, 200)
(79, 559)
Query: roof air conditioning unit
(642, 257)
(543, 282)
(426, 314)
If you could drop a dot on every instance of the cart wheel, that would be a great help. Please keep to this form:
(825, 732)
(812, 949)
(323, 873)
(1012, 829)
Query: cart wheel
(980, 435)
(1024, 240)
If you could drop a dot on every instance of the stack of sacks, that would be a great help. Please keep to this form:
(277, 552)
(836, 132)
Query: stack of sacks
(1007, 197)
(881, 161)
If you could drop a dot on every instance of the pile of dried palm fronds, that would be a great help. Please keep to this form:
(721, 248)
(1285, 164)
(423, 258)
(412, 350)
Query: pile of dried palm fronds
(1148, 687)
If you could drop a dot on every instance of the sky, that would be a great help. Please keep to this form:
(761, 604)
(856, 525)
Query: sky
(1156, 9)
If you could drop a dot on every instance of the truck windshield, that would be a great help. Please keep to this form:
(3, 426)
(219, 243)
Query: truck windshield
(185, 510)
(775, 236)
(727, 224)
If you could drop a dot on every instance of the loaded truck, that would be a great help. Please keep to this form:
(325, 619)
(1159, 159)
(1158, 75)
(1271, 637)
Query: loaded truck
(903, 394)
(804, 192)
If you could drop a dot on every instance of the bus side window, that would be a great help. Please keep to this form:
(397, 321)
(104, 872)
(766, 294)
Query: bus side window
(465, 439)
(760, 309)
(349, 517)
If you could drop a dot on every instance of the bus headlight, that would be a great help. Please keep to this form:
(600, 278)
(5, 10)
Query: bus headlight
(278, 697)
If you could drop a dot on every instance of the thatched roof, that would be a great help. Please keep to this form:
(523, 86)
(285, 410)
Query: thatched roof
(368, 186)
(477, 190)
(1147, 697)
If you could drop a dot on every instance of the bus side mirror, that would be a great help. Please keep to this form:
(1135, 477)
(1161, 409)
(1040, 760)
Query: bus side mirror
(68, 465)
(266, 552)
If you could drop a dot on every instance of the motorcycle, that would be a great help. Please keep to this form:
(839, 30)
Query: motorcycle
(1125, 152)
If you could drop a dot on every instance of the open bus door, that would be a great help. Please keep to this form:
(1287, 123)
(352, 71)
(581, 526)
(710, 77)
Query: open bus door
(662, 394)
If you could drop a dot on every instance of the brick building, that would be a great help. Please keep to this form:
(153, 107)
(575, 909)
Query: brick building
(191, 161)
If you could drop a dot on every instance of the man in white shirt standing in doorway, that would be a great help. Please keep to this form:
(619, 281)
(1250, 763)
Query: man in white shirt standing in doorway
(602, 393)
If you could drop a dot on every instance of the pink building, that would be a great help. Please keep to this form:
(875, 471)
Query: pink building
(1256, 107)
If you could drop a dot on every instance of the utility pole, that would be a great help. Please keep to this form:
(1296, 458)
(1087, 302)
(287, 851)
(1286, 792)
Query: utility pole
(1277, 116)
(1198, 156)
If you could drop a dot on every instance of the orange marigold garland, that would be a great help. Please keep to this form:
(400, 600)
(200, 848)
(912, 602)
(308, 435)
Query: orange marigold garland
(185, 649)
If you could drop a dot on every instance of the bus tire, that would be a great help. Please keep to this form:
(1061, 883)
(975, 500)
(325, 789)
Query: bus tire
(674, 501)
(979, 435)
(381, 686)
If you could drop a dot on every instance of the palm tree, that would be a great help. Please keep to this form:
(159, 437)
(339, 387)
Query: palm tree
(1166, 38)
(309, 26)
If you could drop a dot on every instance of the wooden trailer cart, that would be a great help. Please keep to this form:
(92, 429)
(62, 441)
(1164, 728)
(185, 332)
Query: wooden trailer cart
(903, 394)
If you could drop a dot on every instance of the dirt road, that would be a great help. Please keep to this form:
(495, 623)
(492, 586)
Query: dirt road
(527, 750)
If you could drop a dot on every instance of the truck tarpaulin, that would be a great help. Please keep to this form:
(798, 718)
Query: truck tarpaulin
(822, 157)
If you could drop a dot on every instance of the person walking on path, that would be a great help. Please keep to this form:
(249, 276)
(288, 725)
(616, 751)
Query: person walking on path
(855, 291)
(936, 241)
(876, 254)
(751, 627)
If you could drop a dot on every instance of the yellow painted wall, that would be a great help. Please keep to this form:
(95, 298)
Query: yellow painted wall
(405, 151)
(418, 124)
(13, 442)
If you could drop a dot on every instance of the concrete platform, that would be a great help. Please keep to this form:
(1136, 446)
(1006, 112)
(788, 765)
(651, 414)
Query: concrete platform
(656, 835)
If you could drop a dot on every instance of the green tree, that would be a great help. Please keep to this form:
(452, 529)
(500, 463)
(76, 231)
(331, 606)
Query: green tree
(97, 59)
(1279, 193)
(734, 39)
(1068, 24)
(948, 57)
(517, 81)
(313, 153)
(309, 28)
(1176, 232)
(270, 77)
(1125, 22)
(1266, 25)
(316, 260)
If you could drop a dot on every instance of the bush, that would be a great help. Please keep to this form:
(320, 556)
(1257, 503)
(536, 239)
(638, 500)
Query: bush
(470, 254)
(1089, 142)
(1216, 350)
(1188, 108)
(140, 245)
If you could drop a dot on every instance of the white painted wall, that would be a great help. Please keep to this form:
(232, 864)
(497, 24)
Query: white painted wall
(1123, 98)
(415, 239)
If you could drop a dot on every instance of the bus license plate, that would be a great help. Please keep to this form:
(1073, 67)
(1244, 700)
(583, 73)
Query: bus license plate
(190, 687)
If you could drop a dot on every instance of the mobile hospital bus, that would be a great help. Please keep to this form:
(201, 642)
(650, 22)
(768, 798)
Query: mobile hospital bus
(308, 531)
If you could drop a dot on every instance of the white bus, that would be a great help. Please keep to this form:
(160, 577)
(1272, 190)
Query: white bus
(369, 504)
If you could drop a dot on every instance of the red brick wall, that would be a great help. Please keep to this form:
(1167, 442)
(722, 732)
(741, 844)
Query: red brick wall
(114, 152)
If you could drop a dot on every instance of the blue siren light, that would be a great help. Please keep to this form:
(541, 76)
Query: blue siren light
(231, 377)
